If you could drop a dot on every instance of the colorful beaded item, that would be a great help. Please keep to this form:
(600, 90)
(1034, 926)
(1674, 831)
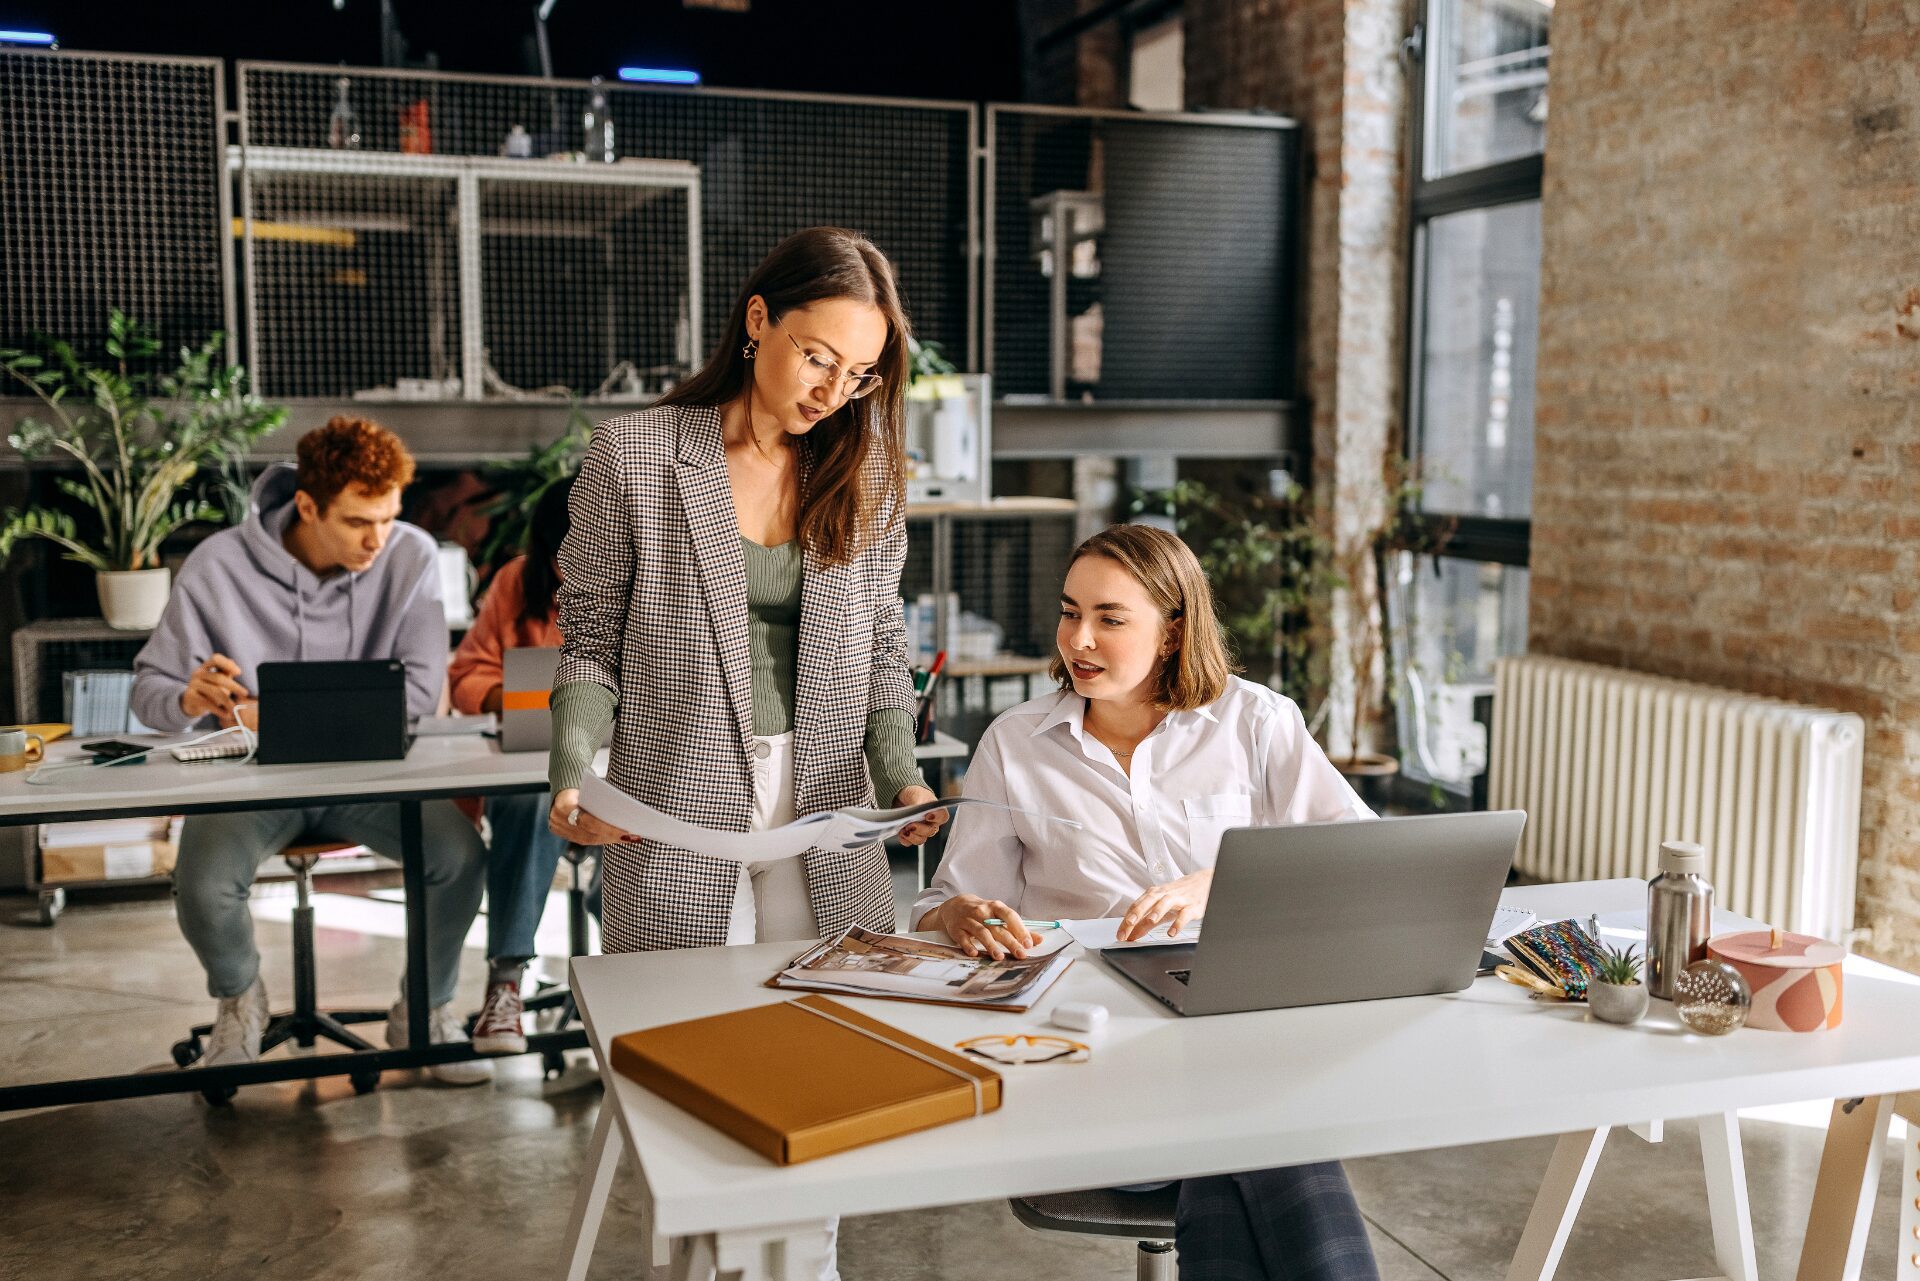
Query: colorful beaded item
(1562, 953)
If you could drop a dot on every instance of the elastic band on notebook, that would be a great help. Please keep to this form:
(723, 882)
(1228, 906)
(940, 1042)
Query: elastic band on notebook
(979, 1101)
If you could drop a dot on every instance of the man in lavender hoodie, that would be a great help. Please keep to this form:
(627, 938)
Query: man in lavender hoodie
(321, 569)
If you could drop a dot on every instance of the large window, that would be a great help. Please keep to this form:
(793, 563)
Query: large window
(1479, 131)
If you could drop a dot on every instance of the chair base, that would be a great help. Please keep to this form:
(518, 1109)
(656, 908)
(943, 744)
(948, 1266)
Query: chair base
(304, 1028)
(1147, 1217)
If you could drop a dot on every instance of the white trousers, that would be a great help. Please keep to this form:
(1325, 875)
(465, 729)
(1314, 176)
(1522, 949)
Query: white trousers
(771, 901)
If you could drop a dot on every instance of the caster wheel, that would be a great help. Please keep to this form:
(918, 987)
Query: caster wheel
(51, 905)
(552, 1063)
(219, 1096)
(184, 1053)
(364, 1082)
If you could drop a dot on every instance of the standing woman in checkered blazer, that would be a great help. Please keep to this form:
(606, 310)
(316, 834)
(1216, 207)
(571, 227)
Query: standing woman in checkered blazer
(730, 603)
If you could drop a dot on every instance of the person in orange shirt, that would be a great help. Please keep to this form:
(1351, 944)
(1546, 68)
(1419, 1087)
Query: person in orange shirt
(517, 613)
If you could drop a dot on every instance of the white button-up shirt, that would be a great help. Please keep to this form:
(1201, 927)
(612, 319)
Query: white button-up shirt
(1244, 760)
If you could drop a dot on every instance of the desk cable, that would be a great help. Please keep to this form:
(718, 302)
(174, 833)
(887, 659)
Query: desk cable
(246, 736)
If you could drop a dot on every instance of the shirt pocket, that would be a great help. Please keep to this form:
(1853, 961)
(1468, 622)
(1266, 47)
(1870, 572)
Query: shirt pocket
(1211, 817)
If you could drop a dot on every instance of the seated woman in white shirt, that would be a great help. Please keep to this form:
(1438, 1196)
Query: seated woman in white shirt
(1156, 748)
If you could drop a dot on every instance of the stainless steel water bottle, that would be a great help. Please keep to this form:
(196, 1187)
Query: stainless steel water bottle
(1679, 915)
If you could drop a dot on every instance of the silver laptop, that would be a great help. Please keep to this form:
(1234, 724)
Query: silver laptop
(526, 721)
(1324, 912)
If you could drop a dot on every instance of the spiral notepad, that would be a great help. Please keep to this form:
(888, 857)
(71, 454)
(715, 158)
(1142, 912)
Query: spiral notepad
(220, 750)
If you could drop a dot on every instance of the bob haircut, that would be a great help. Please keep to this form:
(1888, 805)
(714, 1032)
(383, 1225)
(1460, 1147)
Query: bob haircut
(1196, 673)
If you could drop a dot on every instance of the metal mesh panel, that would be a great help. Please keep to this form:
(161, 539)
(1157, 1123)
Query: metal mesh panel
(615, 301)
(109, 196)
(1140, 258)
(352, 283)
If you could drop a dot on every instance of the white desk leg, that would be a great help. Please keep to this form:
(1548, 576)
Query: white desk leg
(1907, 1262)
(1843, 1197)
(784, 1252)
(1554, 1209)
(1727, 1206)
(590, 1200)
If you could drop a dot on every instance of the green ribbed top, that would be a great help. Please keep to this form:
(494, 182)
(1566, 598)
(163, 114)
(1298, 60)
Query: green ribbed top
(773, 609)
(582, 710)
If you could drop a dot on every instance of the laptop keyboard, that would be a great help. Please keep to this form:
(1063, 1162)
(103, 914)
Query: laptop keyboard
(1182, 975)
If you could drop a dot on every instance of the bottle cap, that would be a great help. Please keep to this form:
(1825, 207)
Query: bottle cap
(1682, 857)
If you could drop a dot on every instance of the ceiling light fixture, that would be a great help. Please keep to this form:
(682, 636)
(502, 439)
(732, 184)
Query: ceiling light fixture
(660, 75)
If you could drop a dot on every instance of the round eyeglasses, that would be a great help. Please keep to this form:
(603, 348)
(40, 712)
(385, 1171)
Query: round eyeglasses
(818, 371)
(1028, 1049)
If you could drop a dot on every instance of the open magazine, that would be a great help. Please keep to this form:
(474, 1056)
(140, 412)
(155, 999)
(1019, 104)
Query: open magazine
(863, 962)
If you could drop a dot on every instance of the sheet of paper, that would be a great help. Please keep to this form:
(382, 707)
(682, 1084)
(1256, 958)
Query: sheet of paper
(1507, 922)
(839, 830)
(1101, 935)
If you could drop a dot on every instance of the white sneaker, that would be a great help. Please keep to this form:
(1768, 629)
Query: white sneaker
(444, 1027)
(238, 1026)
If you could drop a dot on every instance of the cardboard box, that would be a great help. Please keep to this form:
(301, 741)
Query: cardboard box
(806, 1078)
(121, 861)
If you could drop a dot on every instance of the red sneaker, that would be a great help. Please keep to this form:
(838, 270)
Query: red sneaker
(497, 1031)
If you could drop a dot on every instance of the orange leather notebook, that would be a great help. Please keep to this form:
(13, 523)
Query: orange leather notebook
(806, 1078)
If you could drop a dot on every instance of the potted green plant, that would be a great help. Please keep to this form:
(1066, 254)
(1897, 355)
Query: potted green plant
(138, 439)
(1403, 527)
(519, 485)
(1267, 563)
(1616, 994)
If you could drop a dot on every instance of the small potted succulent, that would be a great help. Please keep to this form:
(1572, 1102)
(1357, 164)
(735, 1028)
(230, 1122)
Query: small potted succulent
(1616, 994)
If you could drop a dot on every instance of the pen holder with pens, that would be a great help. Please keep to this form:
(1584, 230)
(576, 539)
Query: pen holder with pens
(925, 681)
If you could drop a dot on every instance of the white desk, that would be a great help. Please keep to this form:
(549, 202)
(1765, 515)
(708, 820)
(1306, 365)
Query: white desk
(436, 767)
(1229, 1092)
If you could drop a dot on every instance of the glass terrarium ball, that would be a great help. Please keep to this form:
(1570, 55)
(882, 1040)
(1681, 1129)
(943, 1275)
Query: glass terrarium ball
(1711, 998)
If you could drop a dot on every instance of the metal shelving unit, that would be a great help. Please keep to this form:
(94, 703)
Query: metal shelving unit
(440, 228)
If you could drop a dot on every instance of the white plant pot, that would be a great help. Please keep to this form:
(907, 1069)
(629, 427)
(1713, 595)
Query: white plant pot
(133, 600)
(1617, 1002)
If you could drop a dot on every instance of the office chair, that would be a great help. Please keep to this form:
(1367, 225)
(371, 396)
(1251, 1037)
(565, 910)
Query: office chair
(553, 1002)
(306, 1023)
(1147, 1217)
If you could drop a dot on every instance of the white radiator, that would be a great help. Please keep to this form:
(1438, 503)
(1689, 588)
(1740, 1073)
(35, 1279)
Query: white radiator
(1609, 763)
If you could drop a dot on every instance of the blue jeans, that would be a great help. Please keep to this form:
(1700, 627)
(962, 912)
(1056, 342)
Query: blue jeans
(520, 872)
(219, 854)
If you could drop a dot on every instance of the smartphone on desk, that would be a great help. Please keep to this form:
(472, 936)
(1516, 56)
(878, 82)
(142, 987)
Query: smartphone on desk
(107, 750)
(1489, 962)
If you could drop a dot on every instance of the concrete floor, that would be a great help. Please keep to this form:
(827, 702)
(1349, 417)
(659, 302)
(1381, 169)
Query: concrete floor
(416, 1180)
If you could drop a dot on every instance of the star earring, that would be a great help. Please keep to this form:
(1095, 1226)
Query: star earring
(751, 349)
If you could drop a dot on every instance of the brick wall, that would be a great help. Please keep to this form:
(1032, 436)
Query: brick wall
(1332, 65)
(1727, 481)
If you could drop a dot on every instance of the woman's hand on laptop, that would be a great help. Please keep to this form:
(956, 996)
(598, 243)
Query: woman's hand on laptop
(213, 691)
(566, 820)
(1177, 901)
(964, 917)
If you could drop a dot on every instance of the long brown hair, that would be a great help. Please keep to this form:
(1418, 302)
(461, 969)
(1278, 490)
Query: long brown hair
(837, 504)
(1195, 673)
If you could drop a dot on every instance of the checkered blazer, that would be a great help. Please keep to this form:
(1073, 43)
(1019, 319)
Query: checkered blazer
(653, 606)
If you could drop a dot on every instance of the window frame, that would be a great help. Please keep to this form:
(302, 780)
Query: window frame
(1507, 540)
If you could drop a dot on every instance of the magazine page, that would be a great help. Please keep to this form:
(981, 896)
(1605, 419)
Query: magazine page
(1103, 935)
(863, 962)
(837, 829)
